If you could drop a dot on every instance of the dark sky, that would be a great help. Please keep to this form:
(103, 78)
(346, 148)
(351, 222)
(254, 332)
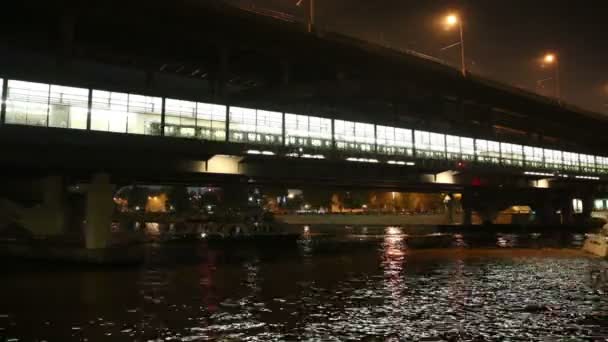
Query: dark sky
(505, 39)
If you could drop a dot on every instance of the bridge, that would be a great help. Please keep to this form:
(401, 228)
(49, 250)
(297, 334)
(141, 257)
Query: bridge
(205, 93)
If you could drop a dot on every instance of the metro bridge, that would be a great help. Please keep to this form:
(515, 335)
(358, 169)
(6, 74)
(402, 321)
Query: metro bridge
(193, 92)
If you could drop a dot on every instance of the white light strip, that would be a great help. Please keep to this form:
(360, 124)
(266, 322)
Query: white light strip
(362, 160)
(587, 177)
(305, 156)
(313, 156)
(400, 162)
(256, 152)
(529, 173)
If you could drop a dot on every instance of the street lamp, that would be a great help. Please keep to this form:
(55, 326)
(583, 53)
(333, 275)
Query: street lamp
(311, 13)
(551, 59)
(452, 20)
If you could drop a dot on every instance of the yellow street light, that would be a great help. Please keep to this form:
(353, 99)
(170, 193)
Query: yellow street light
(551, 58)
(452, 20)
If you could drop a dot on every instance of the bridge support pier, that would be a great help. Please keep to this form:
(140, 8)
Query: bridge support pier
(99, 209)
(467, 216)
(48, 219)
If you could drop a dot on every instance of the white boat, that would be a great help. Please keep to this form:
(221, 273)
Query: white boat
(597, 243)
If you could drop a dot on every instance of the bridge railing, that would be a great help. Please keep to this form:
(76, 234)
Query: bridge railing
(302, 136)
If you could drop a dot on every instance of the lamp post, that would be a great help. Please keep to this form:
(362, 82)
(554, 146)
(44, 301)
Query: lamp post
(311, 14)
(551, 59)
(452, 20)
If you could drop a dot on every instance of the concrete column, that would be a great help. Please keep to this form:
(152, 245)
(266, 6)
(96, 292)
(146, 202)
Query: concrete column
(587, 206)
(99, 210)
(49, 218)
(467, 216)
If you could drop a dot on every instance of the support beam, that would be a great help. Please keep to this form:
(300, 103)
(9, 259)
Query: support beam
(99, 210)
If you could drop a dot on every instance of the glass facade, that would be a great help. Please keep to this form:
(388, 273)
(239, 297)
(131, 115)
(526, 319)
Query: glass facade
(601, 164)
(41, 104)
(553, 159)
(255, 126)
(512, 154)
(354, 136)
(195, 120)
(533, 157)
(307, 131)
(126, 113)
(429, 145)
(487, 151)
(27, 103)
(570, 160)
(587, 163)
(460, 148)
(394, 141)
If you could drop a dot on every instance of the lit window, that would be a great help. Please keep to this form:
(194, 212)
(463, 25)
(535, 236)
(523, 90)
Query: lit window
(126, 113)
(553, 159)
(27, 103)
(533, 157)
(256, 126)
(355, 136)
(570, 161)
(429, 145)
(394, 141)
(587, 163)
(195, 120)
(307, 131)
(487, 151)
(68, 107)
(512, 154)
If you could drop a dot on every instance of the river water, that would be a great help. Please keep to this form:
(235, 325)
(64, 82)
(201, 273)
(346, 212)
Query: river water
(349, 288)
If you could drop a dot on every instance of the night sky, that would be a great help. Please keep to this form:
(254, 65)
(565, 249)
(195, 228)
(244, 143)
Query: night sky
(504, 39)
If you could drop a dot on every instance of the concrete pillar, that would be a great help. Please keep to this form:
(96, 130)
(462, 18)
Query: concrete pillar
(50, 217)
(451, 209)
(587, 206)
(566, 209)
(467, 216)
(99, 210)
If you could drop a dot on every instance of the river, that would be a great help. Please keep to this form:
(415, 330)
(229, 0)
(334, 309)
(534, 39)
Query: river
(348, 288)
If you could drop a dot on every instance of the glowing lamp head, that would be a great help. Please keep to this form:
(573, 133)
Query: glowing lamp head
(549, 58)
(451, 20)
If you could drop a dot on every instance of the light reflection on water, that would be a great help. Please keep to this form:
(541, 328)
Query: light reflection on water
(379, 290)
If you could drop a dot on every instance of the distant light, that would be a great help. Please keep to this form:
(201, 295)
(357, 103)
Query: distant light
(587, 177)
(253, 152)
(549, 58)
(313, 156)
(305, 156)
(250, 199)
(530, 173)
(268, 153)
(410, 163)
(203, 235)
(306, 229)
(291, 196)
(362, 160)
